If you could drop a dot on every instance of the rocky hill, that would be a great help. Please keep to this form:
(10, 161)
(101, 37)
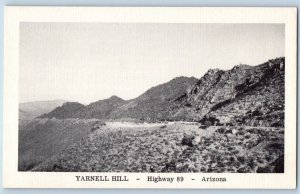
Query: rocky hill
(250, 95)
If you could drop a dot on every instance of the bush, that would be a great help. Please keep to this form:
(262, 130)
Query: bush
(164, 126)
(207, 124)
(221, 130)
(208, 121)
(95, 128)
(188, 141)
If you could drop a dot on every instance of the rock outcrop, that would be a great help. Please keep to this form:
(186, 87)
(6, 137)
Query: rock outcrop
(249, 95)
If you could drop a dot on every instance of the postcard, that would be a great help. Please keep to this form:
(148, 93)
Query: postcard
(150, 97)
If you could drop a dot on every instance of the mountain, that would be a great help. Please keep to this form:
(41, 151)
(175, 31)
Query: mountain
(157, 102)
(259, 101)
(67, 110)
(243, 94)
(100, 109)
(249, 95)
(30, 110)
(154, 104)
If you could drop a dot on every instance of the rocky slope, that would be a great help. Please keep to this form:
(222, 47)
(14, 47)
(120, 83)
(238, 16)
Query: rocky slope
(250, 95)
(174, 148)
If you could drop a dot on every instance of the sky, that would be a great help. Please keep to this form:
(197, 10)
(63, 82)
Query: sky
(86, 62)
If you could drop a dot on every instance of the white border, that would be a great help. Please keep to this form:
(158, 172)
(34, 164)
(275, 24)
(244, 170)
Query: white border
(16, 14)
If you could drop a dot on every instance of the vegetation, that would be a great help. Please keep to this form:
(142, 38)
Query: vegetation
(43, 138)
(173, 149)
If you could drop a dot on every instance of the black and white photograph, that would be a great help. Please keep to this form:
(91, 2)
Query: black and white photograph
(152, 102)
(158, 98)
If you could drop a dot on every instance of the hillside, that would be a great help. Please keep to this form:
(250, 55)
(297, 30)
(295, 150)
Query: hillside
(154, 104)
(43, 138)
(176, 147)
(30, 110)
(67, 110)
(100, 109)
(244, 94)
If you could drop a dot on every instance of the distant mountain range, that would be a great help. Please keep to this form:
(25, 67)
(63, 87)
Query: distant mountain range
(252, 95)
(155, 103)
(30, 110)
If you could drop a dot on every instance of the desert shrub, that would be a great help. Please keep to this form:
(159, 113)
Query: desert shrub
(242, 170)
(170, 166)
(231, 159)
(277, 124)
(251, 163)
(227, 131)
(221, 130)
(241, 159)
(235, 152)
(209, 120)
(26, 166)
(207, 124)
(259, 118)
(241, 133)
(164, 126)
(97, 126)
(229, 148)
(187, 140)
(247, 136)
(279, 165)
(94, 128)
(264, 170)
(240, 87)
(203, 169)
(253, 130)
(256, 113)
(56, 167)
(275, 146)
(249, 144)
(202, 127)
(188, 105)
